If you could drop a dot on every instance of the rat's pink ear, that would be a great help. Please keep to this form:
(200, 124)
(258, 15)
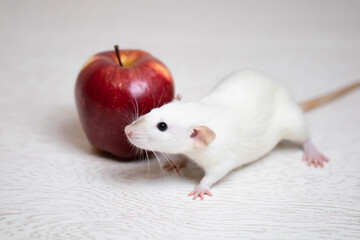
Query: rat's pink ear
(178, 97)
(202, 136)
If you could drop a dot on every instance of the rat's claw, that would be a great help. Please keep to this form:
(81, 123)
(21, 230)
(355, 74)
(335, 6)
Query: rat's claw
(324, 158)
(200, 191)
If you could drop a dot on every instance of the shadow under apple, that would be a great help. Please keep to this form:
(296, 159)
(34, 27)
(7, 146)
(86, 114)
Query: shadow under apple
(69, 132)
(67, 129)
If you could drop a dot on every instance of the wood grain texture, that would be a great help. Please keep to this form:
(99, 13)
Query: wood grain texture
(54, 185)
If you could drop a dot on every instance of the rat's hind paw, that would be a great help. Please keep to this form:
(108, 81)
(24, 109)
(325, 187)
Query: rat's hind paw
(312, 156)
(200, 191)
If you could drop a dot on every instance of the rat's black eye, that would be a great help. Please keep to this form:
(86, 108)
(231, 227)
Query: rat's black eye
(162, 126)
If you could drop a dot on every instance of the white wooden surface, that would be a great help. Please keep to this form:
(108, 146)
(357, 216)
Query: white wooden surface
(53, 185)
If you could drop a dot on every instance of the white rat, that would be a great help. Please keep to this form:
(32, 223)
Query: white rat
(240, 121)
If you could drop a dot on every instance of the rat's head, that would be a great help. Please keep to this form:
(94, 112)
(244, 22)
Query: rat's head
(170, 129)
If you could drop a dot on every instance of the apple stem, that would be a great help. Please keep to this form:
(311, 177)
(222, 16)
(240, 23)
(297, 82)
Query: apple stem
(118, 55)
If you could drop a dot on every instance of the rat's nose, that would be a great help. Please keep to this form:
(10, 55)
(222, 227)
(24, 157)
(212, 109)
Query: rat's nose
(128, 132)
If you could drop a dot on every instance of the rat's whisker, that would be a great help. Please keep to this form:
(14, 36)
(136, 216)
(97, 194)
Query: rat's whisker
(162, 92)
(137, 108)
(157, 159)
(130, 115)
(144, 154)
(148, 164)
(153, 100)
(133, 110)
(142, 112)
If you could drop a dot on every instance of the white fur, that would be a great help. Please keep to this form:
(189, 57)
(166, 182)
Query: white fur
(249, 113)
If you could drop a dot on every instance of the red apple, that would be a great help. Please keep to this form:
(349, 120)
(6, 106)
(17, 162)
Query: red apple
(114, 88)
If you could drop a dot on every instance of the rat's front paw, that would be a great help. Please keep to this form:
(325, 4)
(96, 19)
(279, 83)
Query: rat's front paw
(200, 191)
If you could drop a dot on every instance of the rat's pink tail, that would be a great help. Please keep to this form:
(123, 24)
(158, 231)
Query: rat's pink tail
(315, 102)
